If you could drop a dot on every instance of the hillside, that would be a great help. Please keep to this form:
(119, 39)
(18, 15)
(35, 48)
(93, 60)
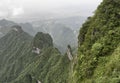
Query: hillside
(98, 59)
(61, 34)
(25, 59)
(5, 27)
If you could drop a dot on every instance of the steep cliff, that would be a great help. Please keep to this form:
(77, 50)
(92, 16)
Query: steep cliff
(98, 59)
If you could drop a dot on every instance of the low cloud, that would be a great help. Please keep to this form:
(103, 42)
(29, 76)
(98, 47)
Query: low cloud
(17, 11)
(23, 9)
(10, 9)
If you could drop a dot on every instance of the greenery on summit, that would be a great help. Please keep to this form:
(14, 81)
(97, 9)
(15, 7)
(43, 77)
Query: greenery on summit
(20, 65)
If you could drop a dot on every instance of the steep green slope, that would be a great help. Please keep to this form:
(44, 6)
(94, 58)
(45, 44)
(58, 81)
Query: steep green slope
(49, 67)
(99, 46)
(13, 54)
(20, 61)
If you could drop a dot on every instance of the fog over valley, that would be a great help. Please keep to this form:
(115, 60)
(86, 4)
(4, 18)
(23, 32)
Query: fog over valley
(61, 19)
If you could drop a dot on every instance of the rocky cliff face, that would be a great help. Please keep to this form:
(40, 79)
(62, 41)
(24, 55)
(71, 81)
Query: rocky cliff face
(69, 53)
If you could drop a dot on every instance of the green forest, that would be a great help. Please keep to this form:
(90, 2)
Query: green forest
(35, 59)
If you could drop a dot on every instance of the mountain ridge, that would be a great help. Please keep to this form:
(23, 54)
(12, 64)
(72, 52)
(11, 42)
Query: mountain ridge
(19, 64)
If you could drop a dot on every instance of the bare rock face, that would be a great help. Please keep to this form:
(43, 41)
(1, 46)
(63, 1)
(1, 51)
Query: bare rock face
(69, 53)
(36, 50)
(17, 28)
(38, 81)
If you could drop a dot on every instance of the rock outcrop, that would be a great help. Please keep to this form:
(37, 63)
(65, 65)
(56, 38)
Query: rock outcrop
(36, 50)
(69, 53)
(17, 28)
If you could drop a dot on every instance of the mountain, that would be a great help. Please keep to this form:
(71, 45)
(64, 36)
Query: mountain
(27, 59)
(5, 22)
(27, 27)
(61, 34)
(98, 59)
(12, 52)
(64, 31)
(5, 27)
(73, 23)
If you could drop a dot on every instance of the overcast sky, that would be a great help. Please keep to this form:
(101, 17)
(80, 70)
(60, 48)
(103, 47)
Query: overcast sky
(36, 8)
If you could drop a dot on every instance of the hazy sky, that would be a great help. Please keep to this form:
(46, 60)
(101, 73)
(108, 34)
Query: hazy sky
(36, 8)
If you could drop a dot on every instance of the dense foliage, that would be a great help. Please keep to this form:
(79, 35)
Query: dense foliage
(42, 40)
(99, 46)
(98, 59)
(18, 64)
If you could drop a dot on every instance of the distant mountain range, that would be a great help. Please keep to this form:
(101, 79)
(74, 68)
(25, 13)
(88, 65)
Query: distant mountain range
(5, 27)
(73, 23)
(28, 59)
(64, 31)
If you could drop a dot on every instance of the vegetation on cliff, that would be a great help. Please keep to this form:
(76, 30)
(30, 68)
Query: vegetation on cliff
(99, 46)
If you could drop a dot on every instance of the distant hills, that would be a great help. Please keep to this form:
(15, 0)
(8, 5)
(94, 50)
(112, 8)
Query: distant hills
(64, 31)
(5, 27)
(74, 23)
(35, 59)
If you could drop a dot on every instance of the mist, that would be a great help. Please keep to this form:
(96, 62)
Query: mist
(29, 10)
